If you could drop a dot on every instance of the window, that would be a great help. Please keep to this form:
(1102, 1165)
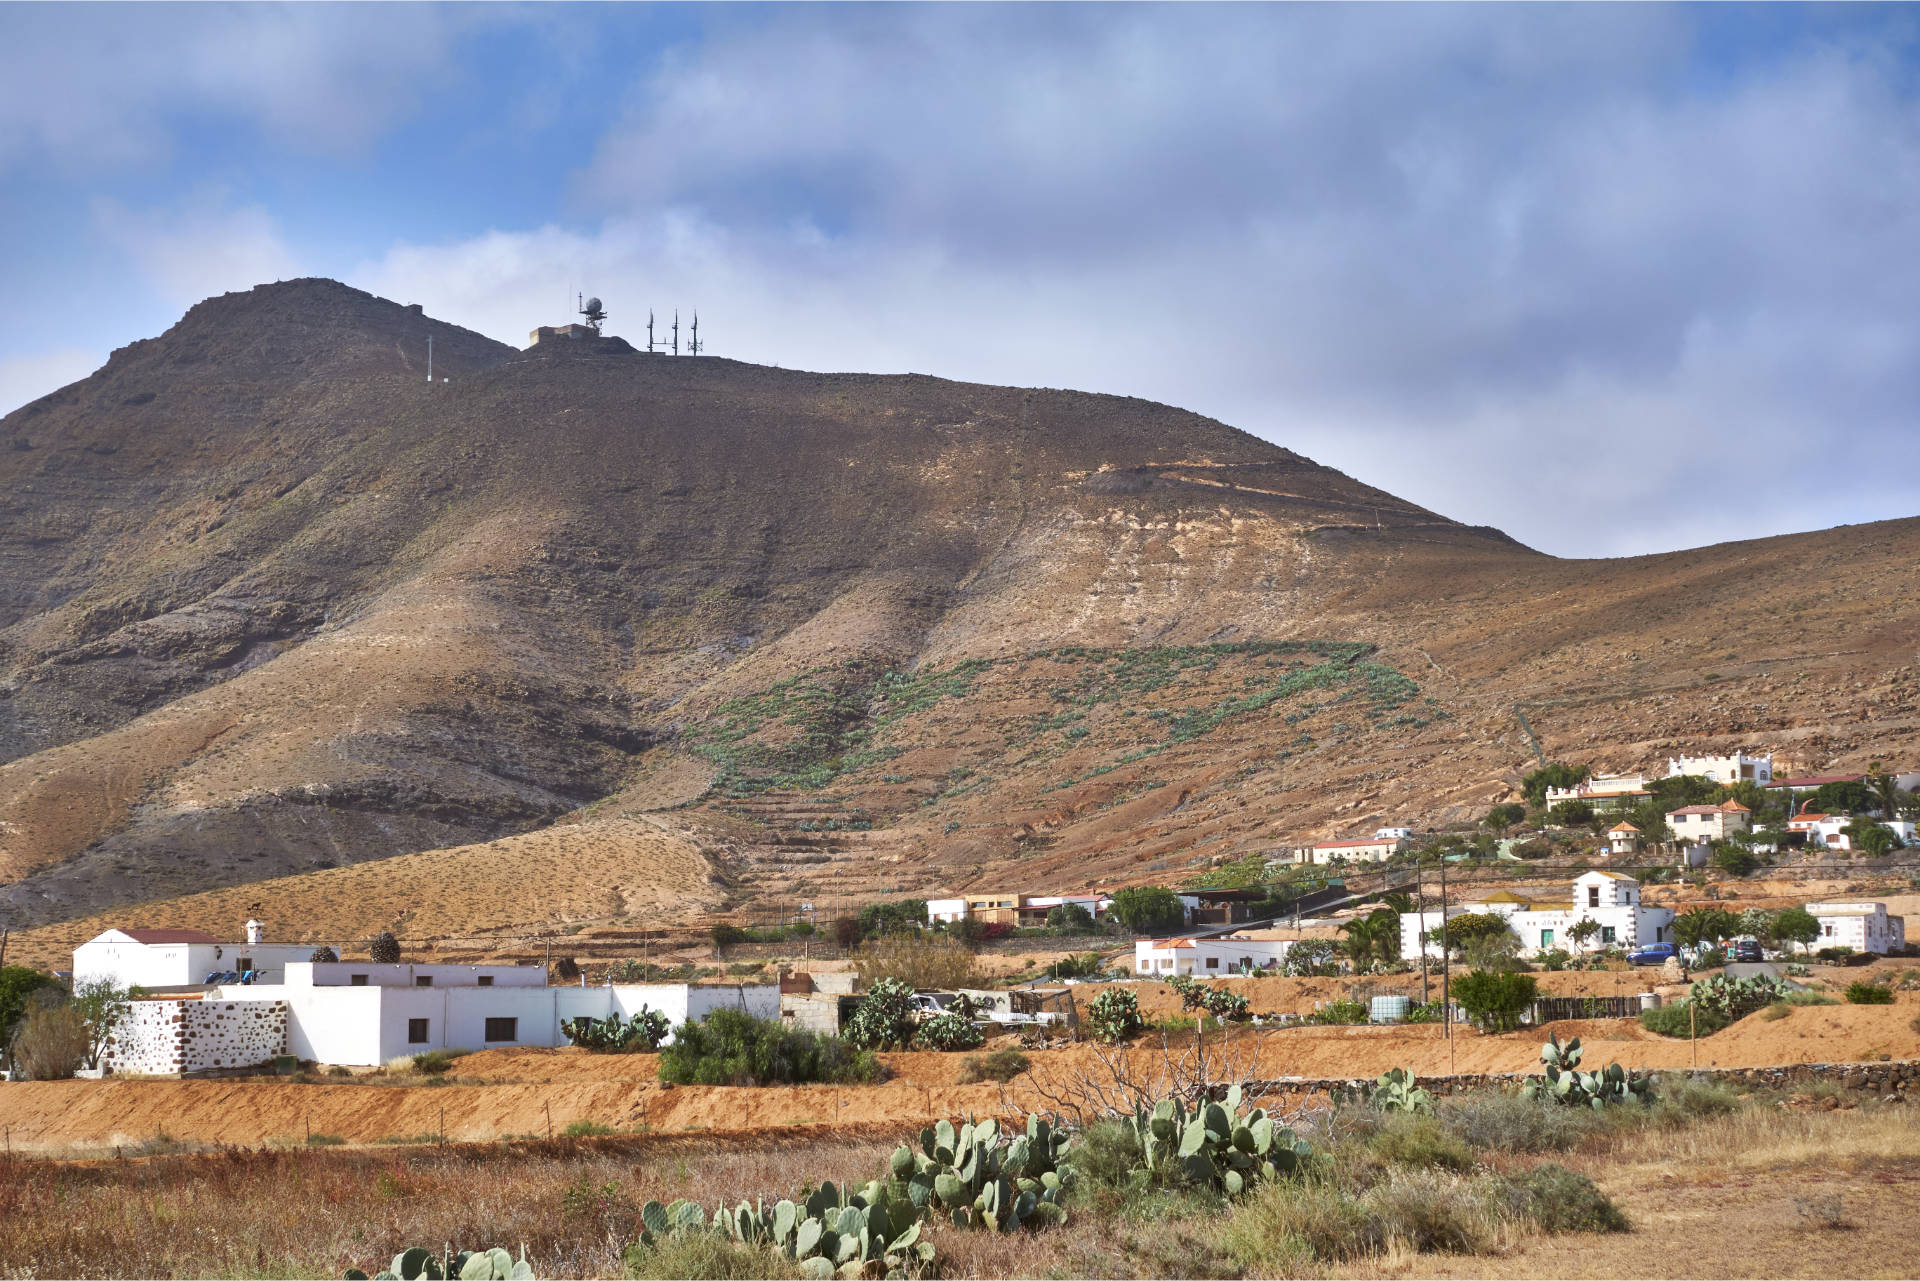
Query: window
(1606, 934)
(416, 1031)
(423, 980)
(1213, 962)
(503, 1029)
(486, 980)
(356, 980)
(1593, 896)
(244, 964)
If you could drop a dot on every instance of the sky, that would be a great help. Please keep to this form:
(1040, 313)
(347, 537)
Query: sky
(1616, 279)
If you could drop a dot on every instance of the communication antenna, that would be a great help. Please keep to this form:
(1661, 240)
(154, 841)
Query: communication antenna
(676, 331)
(693, 346)
(596, 314)
(651, 344)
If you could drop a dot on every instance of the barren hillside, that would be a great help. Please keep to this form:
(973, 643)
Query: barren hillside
(270, 603)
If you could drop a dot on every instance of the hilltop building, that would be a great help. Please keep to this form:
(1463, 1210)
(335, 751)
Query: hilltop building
(1725, 770)
(1604, 792)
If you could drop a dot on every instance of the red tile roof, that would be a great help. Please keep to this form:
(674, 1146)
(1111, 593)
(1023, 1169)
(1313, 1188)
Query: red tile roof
(170, 936)
(1816, 780)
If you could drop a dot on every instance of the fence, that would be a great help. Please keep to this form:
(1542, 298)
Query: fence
(1550, 1009)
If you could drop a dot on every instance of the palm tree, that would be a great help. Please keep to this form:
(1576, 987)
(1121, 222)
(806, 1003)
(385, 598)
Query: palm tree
(1885, 788)
(1362, 933)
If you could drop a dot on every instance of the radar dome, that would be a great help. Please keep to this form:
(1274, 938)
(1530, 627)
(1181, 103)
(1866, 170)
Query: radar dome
(593, 304)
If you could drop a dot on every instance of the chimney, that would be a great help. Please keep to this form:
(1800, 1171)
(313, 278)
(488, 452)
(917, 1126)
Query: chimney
(254, 932)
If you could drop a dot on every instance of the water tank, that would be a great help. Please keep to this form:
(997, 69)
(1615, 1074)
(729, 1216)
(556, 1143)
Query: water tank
(1649, 1000)
(1388, 1009)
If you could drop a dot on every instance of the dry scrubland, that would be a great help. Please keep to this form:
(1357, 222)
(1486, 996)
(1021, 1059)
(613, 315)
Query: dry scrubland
(1710, 1185)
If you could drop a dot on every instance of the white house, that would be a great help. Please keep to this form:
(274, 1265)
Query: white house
(1864, 927)
(1623, 838)
(1393, 834)
(1725, 770)
(361, 1014)
(1157, 957)
(1373, 850)
(946, 910)
(159, 960)
(1695, 823)
(1603, 791)
(1830, 830)
(1611, 899)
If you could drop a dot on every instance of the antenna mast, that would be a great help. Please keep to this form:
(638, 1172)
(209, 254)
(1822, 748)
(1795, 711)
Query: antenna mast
(693, 346)
(429, 357)
(676, 331)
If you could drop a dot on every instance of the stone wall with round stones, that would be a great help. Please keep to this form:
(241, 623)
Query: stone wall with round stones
(167, 1037)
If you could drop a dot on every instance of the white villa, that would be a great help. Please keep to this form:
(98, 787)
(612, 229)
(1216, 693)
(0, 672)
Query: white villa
(1608, 898)
(1864, 927)
(1725, 770)
(1158, 957)
(352, 1013)
(1376, 849)
(1830, 830)
(1603, 791)
(1697, 823)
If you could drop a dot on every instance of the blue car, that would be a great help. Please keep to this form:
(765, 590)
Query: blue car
(1652, 954)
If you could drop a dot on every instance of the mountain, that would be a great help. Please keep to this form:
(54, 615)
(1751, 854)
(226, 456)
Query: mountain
(270, 602)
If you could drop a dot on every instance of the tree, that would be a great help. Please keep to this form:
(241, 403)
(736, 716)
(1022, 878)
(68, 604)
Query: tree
(1554, 775)
(1758, 922)
(1571, 814)
(1581, 931)
(17, 986)
(1796, 925)
(1871, 838)
(1704, 925)
(1843, 798)
(1677, 791)
(725, 934)
(1457, 932)
(1148, 908)
(323, 955)
(1362, 933)
(891, 918)
(1495, 1001)
(1310, 957)
(1072, 918)
(1501, 817)
(101, 1004)
(385, 949)
(1733, 860)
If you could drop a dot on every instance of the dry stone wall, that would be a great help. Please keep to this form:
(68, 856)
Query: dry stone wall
(169, 1037)
(1899, 1079)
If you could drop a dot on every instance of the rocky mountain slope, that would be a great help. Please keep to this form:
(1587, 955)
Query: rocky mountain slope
(271, 603)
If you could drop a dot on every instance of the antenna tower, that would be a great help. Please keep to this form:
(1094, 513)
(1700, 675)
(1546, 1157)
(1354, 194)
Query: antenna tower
(676, 331)
(596, 314)
(693, 346)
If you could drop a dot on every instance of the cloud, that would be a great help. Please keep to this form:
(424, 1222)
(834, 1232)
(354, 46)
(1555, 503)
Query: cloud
(1530, 267)
(27, 376)
(113, 88)
(199, 248)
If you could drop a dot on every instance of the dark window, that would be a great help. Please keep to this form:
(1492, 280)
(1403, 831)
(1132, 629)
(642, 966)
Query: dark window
(1593, 896)
(356, 980)
(423, 980)
(244, 964)
(1213, 962)
(503, 1029)
(1606, 933)
(416, 1031)
(486, 980)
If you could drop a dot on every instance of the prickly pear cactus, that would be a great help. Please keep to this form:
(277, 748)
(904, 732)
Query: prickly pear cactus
(1564, 1082)
(1395, 1091)
(1215, 1144)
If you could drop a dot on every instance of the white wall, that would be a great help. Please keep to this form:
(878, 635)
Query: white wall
(406, 974)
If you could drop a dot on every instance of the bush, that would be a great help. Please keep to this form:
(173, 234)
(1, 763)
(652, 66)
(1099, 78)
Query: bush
(1001, 1065)
(1146, 909)
(1084, 965)
(1506, 1122)
(1114, 1015)
(920, 960)
(432, 1062)
(51, 1044)
(1107, 1154)
(1555, 959)
(1679, 1019)
(886, 1017)
(1413, 1139)
(732, 1047)
(323, 956)
(1339, 1013)
(1832, 954)
(1071, 918)
(1495, 1001)
(948, 1032)
(1861, 992)
(726, 934)
(1691, 1099)
(707, 1255)
(1559, 1200)
(585, 1129)
(385, 949)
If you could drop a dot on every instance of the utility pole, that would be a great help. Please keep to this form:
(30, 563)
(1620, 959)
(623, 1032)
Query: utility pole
(429, 357)
(1446, 964)
(1420, 931)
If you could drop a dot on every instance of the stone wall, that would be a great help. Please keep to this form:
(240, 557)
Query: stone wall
(166, 1038)
(1893, 1079)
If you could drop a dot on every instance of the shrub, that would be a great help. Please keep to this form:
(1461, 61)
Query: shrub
(1555, 959)
(1000, 1065)
(1680, 1019)
(323, 956)
(707, 1255)
(1311, 957)
(1413, 1139)
(1145, 909)
(917, 959)
(948, 1032)
(886, 1017)
(1071, 918)
(1861, 992)
(1495, 1001)
(1084, 965)
(725, 934)
(432, 1062)
(732, 1047)
(1339, 1013)
(1505, 1122)
(1693, 1099)
(585, 1129)
(385, 949)
(1832, 954)
(1559, 1200)
(1107, 1154)
(51, 1044)
(1114, 1015)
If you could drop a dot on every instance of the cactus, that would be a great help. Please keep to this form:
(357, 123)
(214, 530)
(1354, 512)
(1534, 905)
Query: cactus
(885, 1017)
(1115, 1015)
(644, 1031)
(420, 1264)
(1395, 1091)
(1215, 1144)
(1564, 1082)
(948, 1032)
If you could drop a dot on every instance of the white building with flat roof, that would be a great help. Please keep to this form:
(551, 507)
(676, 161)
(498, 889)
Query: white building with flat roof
(1375, 849)
(1725, 770)
(1610, 899)
(1863, 926)
(1156, 958)
(163, 960)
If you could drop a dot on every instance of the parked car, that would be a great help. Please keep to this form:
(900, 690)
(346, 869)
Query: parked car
(1745, 950)
(1653, 954)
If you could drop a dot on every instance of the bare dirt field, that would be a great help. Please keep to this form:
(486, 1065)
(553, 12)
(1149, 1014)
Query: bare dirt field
(503, 1093)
